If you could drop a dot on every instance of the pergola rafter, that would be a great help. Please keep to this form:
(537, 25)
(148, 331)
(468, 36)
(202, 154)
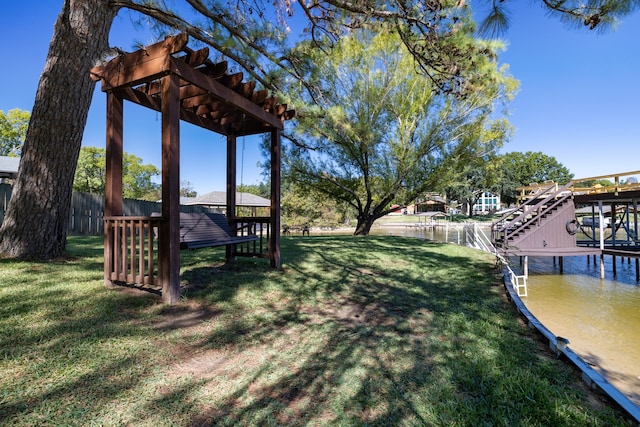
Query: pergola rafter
(181, 84)
(209, 96)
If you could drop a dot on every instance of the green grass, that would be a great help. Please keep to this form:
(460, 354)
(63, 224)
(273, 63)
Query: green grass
(354, 331)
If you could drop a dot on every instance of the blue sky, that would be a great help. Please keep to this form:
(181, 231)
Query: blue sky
(579, 99)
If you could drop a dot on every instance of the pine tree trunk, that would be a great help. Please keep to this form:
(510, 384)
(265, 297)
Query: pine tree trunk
(35, 225)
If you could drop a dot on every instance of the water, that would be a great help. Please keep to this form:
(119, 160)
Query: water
(601, 318)
(452, 234)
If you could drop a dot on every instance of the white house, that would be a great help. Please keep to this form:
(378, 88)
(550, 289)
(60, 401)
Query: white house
(486, 203)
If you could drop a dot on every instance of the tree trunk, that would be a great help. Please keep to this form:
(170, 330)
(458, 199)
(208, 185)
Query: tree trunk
(364, 225)
(35, 225)
(470, 205)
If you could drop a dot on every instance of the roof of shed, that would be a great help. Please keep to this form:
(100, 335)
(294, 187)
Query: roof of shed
(9, 166)
(219, 198)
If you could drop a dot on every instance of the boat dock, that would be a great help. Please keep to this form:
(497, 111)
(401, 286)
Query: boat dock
(582, 217)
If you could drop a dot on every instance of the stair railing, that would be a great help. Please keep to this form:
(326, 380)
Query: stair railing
(529, 214)
(476, 238)
(504, 217)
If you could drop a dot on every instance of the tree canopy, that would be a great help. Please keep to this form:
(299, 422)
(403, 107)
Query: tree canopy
(476, 176)
(375, 133)
(13, 130)
(137, 177)
(522, 169)
(594, 14)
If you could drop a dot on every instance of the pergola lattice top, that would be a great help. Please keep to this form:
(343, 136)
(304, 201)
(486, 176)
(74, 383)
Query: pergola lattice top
(209, 97)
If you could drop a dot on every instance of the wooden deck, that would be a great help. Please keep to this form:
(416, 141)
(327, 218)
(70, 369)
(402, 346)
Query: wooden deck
(570, 251)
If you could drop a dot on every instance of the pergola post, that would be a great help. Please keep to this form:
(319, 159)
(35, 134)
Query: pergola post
(113, 174)
(274, 238)
(169, 241)
(231, 189)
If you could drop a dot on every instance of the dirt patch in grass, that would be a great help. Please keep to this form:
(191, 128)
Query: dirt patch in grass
(184, 316)
(352, 314)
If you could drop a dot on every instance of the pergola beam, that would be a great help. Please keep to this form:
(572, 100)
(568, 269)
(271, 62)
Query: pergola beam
(225, 93)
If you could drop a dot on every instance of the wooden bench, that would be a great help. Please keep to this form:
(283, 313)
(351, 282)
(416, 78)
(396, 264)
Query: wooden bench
(201, 230)
(287, 229)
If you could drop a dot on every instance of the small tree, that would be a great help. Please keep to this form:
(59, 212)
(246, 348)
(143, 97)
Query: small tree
(137, 182)
(90, 172)
(186, 189)
(478, 174)
(375, 133)
(305, 206)
(136, 177)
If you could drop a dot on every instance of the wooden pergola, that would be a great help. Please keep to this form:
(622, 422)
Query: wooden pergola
(181, 84)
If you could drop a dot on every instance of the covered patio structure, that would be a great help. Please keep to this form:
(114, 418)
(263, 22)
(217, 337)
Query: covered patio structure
(181, 84)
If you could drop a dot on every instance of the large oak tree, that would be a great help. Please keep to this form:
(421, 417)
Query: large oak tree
(247, 32)
(518, 169)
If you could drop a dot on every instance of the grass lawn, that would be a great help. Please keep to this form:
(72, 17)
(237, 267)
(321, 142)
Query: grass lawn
(355, 331)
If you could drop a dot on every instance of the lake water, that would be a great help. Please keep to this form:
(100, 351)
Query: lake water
(601, 318)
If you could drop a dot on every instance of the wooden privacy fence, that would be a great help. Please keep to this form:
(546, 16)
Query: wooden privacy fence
(86, 216)
(5, 194)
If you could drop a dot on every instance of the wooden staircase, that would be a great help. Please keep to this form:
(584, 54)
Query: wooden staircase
(544, 222)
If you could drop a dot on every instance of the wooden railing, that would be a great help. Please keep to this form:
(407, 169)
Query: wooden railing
(259, 226)
(131, 246)
(130, 249)
(620, 182)
(529, 213)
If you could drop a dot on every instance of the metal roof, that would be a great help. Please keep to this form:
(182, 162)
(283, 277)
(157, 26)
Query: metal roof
(9, 166)
(219, 198)
(432, 214)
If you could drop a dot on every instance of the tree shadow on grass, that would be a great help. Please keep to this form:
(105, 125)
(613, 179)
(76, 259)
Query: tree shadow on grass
(55, 352)
(377, 331)
(345, 338)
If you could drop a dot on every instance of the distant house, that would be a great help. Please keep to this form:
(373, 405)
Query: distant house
(486, 203)
(430, 202)
(8, 167)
